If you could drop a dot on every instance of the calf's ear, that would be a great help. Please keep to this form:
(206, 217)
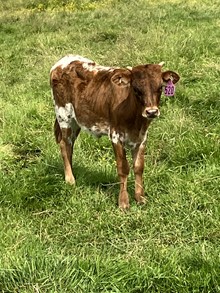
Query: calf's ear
(121, 78)
(170, 75)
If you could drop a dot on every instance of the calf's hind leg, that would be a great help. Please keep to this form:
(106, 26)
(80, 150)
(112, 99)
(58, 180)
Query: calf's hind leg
(66, 138)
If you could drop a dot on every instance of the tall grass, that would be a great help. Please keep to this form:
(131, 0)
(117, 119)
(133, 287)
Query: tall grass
(55, 238)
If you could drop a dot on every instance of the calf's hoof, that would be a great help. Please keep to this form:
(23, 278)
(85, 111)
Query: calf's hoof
(140, 199)
(123, 201)
(70, 180)
(124, 206)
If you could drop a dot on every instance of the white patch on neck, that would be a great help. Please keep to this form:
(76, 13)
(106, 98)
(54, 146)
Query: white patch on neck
(65, 115)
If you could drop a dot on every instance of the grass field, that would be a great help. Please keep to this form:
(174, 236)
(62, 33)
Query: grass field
(55, 238)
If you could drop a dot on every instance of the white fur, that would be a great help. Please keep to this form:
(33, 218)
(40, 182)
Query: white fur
(65, 115)
(65, 61)
(97, 130)
(100, 129)
(86, 63)
(95, 68)
(131, 144)
(115, 137)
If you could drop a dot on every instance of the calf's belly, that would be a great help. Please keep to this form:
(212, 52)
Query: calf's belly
(97, 129)
(67, 117)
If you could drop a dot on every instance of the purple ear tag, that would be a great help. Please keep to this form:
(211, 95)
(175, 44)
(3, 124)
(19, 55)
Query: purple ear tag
(169, 89)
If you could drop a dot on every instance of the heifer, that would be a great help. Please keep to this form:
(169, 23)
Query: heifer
(118, 102)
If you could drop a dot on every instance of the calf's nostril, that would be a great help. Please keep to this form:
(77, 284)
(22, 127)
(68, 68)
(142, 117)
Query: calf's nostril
(152, 112)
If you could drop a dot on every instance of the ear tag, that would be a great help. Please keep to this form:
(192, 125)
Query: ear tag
(169, 89)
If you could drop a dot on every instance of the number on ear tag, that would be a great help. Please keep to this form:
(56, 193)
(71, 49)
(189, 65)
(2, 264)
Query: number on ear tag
(169, 89)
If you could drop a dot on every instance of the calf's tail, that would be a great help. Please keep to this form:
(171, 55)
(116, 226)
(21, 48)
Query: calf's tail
(57, 131)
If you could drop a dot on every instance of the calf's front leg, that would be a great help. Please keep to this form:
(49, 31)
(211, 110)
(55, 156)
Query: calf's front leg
(123, 171)
(138, 166)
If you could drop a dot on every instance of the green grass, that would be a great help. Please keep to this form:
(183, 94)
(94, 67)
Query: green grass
(55, 238)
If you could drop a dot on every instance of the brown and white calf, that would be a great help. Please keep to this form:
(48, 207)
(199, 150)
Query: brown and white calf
(118, 102)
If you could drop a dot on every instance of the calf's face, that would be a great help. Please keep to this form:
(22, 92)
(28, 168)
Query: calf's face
(147, 82)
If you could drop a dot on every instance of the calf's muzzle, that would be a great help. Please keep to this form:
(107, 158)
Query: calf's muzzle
(151, 112)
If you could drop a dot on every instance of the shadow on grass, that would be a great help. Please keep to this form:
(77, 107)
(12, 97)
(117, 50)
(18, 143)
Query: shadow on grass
(40, 187)
(38, 182)
(95, 176)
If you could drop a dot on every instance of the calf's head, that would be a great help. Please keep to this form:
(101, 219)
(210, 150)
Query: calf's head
(146, 83)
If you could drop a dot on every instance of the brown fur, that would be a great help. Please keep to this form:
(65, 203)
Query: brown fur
(57, 131)
(121, 100)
